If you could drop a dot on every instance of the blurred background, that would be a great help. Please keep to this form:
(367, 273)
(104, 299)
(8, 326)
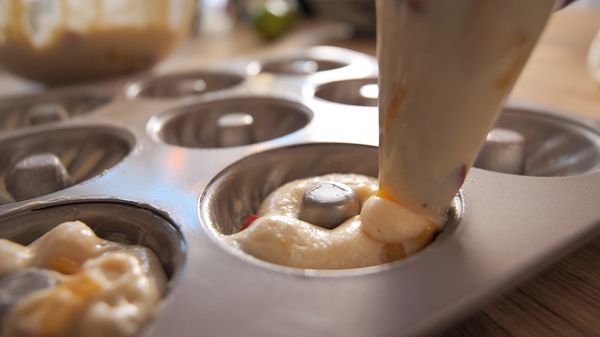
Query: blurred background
(46, 44)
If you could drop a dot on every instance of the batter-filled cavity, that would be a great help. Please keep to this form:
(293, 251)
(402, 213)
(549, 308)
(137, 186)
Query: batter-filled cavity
(278, 234)
(70, 282)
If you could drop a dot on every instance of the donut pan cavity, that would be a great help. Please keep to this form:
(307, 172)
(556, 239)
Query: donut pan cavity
(49, 108)
(171, 186)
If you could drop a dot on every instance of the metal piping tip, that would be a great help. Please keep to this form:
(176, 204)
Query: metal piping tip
(328, 204)
(44, 113)
(37, 175)
(503, 151)
(235, 129)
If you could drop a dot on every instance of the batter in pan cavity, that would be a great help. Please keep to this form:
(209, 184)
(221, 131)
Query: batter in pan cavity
(71, 283)
(279, 236)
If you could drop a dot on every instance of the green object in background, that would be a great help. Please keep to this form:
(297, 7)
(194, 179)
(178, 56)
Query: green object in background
(274, 18)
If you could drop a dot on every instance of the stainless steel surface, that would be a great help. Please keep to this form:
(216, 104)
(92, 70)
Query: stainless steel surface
(554, 145)
(235, 129)
(363, 92)
(37, 175)
(184, 84)
(47, 113)
(198, 125)
(23, 112)
(300, 66)
(503, 151)
(328, 204)
(180, 201)
(85, 152)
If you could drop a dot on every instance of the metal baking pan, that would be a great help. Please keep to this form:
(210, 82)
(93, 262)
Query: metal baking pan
(150, 169)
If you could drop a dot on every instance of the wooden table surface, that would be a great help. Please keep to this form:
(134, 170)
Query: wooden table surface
(564, 300)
